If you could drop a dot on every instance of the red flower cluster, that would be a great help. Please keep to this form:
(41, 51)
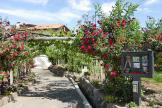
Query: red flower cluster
(88, 42)
(12, 49)
(111, 42)
(87, 45)
(19, 37)
(121, 23)
(113, 74)
(91, 35)
(160, 37)
(99, 40)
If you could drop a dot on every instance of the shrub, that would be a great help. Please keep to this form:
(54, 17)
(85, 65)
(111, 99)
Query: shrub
(96, 83)
(158, 77)
(110, 99)
(132, 105)
(120, 87)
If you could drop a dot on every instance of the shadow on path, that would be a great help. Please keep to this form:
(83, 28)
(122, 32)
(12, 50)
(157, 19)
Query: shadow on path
(55, 88)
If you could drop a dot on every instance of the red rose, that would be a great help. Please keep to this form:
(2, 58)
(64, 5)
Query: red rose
(113, 74)
(82, 47)
(86, 41)
(93, 40)
(105, 56)
(118, 23)
(107, 66)
(89, 47)
(110, 42)
(123, 23)
(160, 37)
(94, 25)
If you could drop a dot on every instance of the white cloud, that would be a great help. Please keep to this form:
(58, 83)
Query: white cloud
(81, 5)
(149, 2)
(42, 2)
(107, 7)
(62, 15)
(144, 9)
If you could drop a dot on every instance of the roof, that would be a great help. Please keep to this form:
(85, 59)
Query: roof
(48, 26)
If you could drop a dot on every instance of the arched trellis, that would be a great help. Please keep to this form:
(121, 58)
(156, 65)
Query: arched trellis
(42, 37)
(35, 36)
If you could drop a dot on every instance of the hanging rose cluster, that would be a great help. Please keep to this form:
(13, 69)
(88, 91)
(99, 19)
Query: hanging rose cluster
(13, 50)
(99, 40)
(90, 41)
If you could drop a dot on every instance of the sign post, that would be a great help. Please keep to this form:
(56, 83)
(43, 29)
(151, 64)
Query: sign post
(137, 64)
(137, 90)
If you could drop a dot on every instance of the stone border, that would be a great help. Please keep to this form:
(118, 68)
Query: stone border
(95, 96)
(85, 101)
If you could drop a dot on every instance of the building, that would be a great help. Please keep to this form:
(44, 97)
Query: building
(20, 25)
(54, 27)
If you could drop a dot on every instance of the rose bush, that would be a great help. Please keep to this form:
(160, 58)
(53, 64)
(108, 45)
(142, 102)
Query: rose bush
(14, 50)
(111, 34)
(106, 38)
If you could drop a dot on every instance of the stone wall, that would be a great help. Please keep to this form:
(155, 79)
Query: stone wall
(95, 96)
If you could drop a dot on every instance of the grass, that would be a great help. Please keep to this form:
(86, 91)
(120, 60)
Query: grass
(156, 79)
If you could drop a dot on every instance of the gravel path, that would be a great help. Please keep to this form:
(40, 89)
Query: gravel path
(48, 92)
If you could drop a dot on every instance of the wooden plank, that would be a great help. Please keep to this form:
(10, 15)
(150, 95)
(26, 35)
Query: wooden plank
(44, 38)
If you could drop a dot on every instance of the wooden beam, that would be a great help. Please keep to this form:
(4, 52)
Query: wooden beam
(44, 38)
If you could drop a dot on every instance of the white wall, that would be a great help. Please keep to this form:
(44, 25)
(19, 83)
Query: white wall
(42, 62)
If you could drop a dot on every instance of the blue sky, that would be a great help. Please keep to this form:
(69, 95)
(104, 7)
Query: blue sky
(68, 12)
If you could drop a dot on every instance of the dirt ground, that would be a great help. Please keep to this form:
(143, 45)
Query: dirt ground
(152, 94)
(154, 86)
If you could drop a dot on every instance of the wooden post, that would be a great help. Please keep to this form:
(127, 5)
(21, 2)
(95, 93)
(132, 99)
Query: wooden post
(11, 77)
(101, 68)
